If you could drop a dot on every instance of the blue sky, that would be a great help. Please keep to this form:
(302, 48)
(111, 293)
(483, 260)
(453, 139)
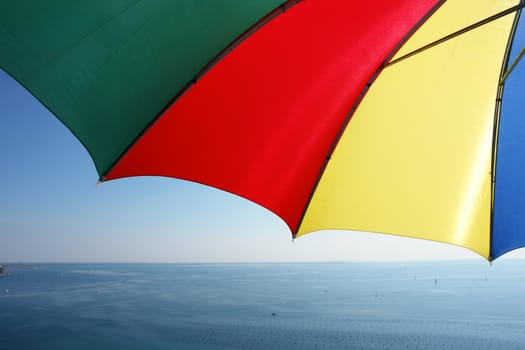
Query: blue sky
(51, 210)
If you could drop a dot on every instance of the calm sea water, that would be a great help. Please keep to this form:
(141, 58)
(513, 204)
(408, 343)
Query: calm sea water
(443, 305)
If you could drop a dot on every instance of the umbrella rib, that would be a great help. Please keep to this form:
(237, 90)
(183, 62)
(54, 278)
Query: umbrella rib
(459, 32)
(265, 20)
(286, 5)
(513, 65)
(497, 117)
(356, 104)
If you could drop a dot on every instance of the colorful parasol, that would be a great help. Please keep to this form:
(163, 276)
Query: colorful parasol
(402, 117)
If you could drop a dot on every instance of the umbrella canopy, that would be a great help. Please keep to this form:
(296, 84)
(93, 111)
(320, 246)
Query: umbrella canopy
(399, 117)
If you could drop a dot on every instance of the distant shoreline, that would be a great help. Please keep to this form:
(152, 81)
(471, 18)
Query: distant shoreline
(18, 266)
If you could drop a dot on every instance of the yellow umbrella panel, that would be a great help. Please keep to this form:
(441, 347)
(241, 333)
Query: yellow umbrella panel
(416, 157)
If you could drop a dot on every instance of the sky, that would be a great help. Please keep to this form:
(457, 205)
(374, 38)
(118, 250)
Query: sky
(52, 211)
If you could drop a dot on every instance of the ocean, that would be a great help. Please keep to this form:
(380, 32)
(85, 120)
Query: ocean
(413, 305)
